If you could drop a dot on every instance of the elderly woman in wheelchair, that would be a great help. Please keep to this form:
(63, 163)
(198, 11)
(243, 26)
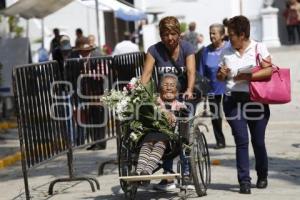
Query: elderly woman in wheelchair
(154, 144)
(138, 162)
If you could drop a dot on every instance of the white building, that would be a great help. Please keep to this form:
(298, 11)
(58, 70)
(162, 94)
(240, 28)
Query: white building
(207, 12)
(203, 12)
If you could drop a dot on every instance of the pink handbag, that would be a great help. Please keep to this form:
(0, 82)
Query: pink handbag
(276, 90)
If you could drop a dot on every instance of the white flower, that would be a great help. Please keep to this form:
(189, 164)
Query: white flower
(133, 81)
(133, 136)
(136, 100)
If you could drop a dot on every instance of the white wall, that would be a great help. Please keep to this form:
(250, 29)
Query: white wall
(253, 12)
(206, 12)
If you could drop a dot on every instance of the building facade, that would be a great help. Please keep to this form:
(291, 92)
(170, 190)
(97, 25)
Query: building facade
(205, 13)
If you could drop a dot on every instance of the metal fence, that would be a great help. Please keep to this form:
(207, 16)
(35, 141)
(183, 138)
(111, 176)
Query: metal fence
(127, 66)
(58, 112)
(89, 78)
(34, 91)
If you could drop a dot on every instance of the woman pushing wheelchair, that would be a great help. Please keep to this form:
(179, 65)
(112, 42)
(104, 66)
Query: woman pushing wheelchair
(149, 127)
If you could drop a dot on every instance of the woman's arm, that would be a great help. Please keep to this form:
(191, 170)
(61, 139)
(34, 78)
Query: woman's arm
(191, 70)
(201, 65)
(223, 70)
(264, 73)
(148, 68)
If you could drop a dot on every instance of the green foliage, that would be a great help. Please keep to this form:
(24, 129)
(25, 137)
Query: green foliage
(38, 40)
(183, 27)
(11, 23)
(13, 26)
(138, 110)
(19, 30)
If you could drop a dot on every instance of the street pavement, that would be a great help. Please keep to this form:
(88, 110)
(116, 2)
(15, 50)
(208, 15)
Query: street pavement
(282, 140)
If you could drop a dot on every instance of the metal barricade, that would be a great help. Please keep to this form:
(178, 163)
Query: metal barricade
(90, 77)
(58, 112)
(45, 111)
(91, 121)
(34, 93)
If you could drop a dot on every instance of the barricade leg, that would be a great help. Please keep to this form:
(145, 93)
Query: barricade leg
(71, 176)
(50, 191)
(101, 167)
(114, 161)
(96, 182)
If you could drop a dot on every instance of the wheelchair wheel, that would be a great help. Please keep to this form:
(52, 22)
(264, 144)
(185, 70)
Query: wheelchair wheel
(126, 167)
(200, 162)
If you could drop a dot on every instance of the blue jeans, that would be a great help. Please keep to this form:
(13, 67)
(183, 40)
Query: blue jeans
(168, 165)
(185, 167)
(240, 114)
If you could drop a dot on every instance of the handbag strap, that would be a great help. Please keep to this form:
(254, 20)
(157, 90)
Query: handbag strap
(179, 71)
(259, 58)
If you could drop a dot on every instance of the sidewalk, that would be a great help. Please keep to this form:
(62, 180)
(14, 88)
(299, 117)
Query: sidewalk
(283, 145)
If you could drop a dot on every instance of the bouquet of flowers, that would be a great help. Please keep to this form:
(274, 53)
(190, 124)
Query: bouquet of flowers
(137, 108)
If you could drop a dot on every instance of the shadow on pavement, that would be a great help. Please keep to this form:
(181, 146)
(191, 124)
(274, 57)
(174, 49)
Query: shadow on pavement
(224, 187)
(143, 194)
(83, 163)
(279, 168)
(86, 164)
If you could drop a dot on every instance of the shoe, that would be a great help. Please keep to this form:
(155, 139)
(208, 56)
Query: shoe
(187, 181)
(165, 185)
(134, 173)
(220, 146)
(145, 182)
(245, 188)
(262, 183)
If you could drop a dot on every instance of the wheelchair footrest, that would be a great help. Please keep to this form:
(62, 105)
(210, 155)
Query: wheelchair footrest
(149, 177)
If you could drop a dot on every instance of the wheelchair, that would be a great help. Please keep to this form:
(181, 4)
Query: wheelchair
(192, 144)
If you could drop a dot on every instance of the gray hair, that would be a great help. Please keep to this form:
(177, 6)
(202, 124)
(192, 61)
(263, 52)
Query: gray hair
(169, 75)
(219, 26)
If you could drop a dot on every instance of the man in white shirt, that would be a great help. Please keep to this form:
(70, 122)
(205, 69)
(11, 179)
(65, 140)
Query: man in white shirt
(126, 46)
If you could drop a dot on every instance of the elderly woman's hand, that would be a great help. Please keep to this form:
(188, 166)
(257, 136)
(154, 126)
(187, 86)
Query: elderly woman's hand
(171, 118)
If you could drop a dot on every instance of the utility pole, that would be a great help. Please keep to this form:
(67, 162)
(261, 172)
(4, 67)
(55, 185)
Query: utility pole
(98, 23)
(241, 7)
(43, 32)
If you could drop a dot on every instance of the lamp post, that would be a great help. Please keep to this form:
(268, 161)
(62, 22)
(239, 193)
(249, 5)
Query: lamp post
(97, 20)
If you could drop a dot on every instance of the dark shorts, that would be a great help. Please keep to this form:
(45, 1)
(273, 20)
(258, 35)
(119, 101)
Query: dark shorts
(155, 137)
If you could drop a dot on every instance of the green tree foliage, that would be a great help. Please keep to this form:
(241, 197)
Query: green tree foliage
(183, 27)
(13, 26)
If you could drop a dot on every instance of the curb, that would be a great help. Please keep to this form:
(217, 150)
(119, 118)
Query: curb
(10, 160)
(7, 125)
(216, 162)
